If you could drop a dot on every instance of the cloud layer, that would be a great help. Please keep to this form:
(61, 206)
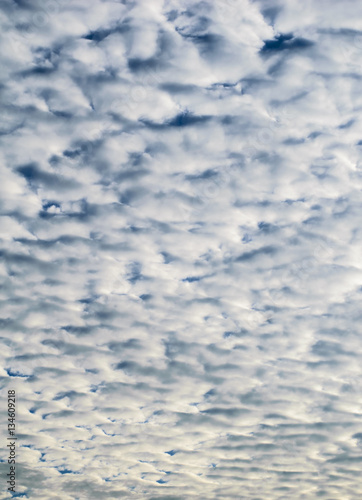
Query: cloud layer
(181, 247)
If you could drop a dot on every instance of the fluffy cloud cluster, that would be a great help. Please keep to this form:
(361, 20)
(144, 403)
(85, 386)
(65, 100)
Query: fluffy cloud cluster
(181, 247)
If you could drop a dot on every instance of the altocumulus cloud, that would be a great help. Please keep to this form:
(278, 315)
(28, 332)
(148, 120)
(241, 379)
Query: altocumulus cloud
(181, 247)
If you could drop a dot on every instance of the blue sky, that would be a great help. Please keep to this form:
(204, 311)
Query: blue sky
(180, 265)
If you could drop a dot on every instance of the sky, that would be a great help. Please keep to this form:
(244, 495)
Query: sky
(180, 252)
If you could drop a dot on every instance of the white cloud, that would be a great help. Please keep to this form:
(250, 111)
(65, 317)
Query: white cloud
(180, 200)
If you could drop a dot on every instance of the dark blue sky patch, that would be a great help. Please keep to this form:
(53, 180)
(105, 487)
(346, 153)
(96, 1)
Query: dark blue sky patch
(249, 256)
(181, 120)
(246, 238)
(61, 114)
(347, 124)
(37, 177)
(38, 71)
(24, 4)
(79, 330)
(118, 346)
(293, 141)
(171, 452)
(210, 393)
(132, 174)
(172, 15)
(67, 394)
(271, 13)
(314, 135)
(267, 227)
(178, 88)
(98, 35)
(66, 471)
(226, 412)
(192, 279)
(146, 297)
(135, 272)
(285, 42)
(207, 174)
(131, 195)
(50, 203)
(187, 119)
(207, 43)
(101, 34)
(168, 258)
(15, 373)
(151, 64)
(237, 334)
(325, 348)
